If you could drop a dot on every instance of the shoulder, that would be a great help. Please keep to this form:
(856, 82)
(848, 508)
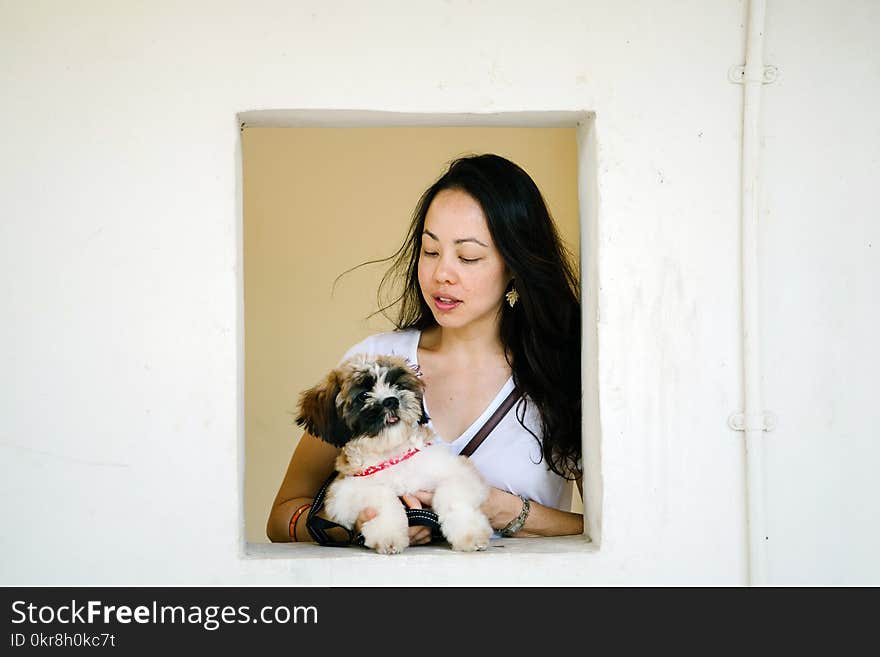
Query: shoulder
(400, 343)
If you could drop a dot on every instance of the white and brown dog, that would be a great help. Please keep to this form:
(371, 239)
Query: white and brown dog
(371, 408)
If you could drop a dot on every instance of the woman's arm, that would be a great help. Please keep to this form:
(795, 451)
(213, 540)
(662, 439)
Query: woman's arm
(502, 507)
(310, 465)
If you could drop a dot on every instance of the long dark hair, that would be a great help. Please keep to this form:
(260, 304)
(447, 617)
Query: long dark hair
(542, 332)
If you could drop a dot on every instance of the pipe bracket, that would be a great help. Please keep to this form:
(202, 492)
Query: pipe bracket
(737, 75)
(765, 422)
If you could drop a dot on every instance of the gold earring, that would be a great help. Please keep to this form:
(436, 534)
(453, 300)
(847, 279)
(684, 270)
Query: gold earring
(512, 297)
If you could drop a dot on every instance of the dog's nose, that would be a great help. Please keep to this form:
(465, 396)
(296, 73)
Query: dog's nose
(390, 402)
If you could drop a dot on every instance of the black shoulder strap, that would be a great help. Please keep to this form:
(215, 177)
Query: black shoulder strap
(491, 423)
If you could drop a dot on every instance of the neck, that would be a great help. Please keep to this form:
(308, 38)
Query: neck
(474, 344)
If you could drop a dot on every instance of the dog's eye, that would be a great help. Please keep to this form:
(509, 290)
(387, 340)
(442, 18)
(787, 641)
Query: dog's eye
(362, 397)
(393, 375)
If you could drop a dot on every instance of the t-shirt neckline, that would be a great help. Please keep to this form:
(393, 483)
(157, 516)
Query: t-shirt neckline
(468, 433)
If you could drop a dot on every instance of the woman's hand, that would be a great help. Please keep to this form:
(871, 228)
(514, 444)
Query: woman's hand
(418, 535)
(501, 507)
(364, 517)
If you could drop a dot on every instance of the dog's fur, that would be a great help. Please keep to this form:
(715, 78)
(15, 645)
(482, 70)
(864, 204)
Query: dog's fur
(371, 407)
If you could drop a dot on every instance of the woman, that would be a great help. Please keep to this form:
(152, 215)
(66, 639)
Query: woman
(490, 301)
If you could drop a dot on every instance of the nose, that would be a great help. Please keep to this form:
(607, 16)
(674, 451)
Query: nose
(444, 271)
(391, 402)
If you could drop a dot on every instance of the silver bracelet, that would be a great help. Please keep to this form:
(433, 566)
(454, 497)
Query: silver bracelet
(517, 523)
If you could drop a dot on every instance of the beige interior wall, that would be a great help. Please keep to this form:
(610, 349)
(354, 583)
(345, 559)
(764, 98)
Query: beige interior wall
(318, 201)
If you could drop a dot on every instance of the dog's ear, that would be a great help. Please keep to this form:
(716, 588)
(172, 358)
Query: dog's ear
(318, 412)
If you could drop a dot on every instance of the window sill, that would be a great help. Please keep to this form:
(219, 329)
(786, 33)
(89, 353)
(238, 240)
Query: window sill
(503, 546)
(557, 561)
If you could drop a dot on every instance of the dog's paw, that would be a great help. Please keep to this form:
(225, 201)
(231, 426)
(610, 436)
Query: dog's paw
(390, 546)
(384, 540)
(470, 537)
(470, 543)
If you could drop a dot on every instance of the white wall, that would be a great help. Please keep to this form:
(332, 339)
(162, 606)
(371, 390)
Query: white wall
(121, 430)
(820, 262)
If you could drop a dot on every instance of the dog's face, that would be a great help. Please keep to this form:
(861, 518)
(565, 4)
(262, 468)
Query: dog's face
(364, 396)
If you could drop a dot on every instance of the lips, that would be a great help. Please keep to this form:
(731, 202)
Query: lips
(443, 302)
(392, 419)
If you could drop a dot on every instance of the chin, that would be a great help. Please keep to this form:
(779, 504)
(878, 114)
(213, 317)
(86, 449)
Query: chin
(456, 321)
(371, 407)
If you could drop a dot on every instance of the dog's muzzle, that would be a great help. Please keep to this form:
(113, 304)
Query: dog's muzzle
(391, 404)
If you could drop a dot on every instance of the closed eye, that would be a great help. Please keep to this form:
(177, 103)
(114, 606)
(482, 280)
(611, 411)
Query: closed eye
(393, 375)
(434, 254)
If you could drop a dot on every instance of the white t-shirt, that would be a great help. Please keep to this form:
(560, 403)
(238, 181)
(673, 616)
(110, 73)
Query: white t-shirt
(510, 457)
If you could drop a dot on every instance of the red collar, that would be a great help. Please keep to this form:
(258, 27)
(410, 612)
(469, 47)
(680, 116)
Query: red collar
(386, 464)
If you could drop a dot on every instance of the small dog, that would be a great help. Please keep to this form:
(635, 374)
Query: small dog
(371, 407)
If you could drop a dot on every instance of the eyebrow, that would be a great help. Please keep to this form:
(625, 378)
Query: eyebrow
(459, 241)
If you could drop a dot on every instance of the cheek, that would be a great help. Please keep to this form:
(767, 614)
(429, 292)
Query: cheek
(424, 275)
(492, 282)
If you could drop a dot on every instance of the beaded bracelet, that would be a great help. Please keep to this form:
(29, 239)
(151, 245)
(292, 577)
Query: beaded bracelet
(291, 529)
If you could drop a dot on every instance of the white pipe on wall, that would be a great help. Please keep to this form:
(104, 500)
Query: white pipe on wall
(753, 412)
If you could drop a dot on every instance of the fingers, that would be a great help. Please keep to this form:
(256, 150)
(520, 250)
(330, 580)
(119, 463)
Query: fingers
(419, 535)
(411, 501)
(426, 497)
(365, 516)
(419, 499)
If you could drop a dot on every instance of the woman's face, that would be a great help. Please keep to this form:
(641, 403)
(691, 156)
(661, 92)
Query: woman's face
(461, 274)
